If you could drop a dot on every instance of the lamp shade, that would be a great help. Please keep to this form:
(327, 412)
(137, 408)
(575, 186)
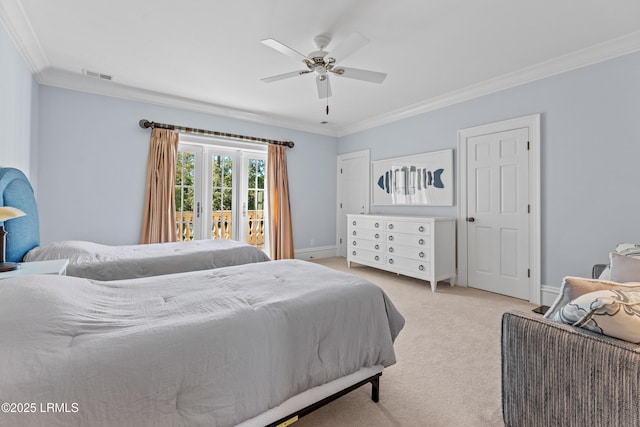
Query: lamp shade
(8, 212)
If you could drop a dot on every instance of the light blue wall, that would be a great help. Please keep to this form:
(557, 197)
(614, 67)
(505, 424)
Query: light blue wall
(590, 156)
(92, 166)
(18, 109)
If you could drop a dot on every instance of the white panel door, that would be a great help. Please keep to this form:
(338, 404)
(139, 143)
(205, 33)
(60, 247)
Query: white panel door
(353, 192)
(497, 212)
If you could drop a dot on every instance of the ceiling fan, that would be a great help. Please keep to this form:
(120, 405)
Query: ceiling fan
(323, 63)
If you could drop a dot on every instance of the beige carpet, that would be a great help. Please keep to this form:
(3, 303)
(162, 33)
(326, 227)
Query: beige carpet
(448, 369)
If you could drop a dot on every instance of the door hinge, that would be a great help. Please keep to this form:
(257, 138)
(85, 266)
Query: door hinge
(528, 145)
(340, 170)
(528, 208)
(341, 240)
(528, 272)
(340, 205)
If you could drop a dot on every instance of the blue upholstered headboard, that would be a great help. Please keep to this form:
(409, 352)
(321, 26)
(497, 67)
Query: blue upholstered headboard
(23, 234)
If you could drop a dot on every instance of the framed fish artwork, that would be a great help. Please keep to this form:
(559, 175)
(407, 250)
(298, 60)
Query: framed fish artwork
(422, 179)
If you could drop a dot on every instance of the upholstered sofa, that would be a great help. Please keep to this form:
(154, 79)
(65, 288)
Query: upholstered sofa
(559, 375)
(554, 374)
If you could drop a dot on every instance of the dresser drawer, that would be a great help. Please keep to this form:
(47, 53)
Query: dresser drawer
(370, 223)
(418, 254)
(367, 245)
(419, 241)
(409, 227)
(367, 257)
(367, 234)
(409, 265)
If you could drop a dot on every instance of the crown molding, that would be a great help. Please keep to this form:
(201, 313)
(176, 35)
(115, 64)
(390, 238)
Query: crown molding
(14, 19)
(74, 81)
(581, 58)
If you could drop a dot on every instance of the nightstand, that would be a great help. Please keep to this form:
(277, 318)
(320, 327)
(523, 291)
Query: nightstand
(54, 266)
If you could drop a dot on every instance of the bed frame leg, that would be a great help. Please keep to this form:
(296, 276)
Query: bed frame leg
(375, 388)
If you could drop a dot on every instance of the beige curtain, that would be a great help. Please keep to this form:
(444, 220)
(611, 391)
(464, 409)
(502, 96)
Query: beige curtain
(159, 215)
(280, 227)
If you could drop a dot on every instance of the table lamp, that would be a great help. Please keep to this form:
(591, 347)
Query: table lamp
(7, 213)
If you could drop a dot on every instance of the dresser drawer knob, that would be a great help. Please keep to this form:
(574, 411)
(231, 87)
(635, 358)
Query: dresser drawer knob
(377, 258)
(390, 226)
(421, 242)
(391, 238)
(353, 253)
(377, 236)
(391, 249)
(354, 223)
(421, 254)
(354, 243)
(354, 232)
(421, 267)
(390, 260)
(377, 224)
(421, 229)
(377, 246)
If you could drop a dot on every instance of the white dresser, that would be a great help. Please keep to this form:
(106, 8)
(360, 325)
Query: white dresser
(415, 246)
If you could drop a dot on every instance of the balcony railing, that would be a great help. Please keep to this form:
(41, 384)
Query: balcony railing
(222, 226)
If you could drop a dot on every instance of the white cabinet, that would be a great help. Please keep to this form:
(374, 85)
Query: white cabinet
(415, 246)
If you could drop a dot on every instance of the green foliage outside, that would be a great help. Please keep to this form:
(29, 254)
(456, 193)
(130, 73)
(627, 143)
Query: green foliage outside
(221, 183)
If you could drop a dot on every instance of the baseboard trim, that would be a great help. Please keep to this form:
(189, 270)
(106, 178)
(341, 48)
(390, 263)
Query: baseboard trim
(315, 253)
(549, 294)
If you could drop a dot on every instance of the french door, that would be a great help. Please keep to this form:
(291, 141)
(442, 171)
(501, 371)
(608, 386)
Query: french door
(220, 194)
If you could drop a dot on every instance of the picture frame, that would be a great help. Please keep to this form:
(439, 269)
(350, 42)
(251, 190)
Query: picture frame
(423, 179)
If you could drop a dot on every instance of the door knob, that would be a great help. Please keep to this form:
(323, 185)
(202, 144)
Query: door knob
(471, 219)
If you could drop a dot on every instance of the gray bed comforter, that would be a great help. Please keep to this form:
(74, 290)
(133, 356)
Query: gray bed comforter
(103, 262)
(204, 348)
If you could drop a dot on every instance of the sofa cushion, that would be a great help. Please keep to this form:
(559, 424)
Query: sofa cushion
(624, 268)
(610, 312)
(573, 287)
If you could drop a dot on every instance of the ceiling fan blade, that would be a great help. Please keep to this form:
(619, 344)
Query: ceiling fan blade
(284, 76)
(324, 88)
(348, 46)
(275, 44)
(358, 74)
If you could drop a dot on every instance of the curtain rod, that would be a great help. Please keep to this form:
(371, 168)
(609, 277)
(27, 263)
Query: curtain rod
(147, 124)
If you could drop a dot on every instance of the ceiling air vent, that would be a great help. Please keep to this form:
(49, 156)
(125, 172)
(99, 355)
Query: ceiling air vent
(96, 75)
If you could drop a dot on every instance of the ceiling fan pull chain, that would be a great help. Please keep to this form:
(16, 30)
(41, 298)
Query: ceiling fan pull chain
(327, 96)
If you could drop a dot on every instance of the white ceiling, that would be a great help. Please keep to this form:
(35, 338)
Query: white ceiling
(206, 55)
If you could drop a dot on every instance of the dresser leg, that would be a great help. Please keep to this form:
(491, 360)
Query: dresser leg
(434, 284)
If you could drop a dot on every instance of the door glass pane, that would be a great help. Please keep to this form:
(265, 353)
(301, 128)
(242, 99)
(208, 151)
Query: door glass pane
(184, 191)
(255, 202)
(221, 196)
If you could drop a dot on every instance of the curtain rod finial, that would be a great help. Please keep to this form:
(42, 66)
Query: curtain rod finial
(144, 123)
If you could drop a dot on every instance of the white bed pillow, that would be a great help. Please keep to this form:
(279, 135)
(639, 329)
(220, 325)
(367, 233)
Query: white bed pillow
(573, 287)
(624, 268)
(615, 313)
(628, 249)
